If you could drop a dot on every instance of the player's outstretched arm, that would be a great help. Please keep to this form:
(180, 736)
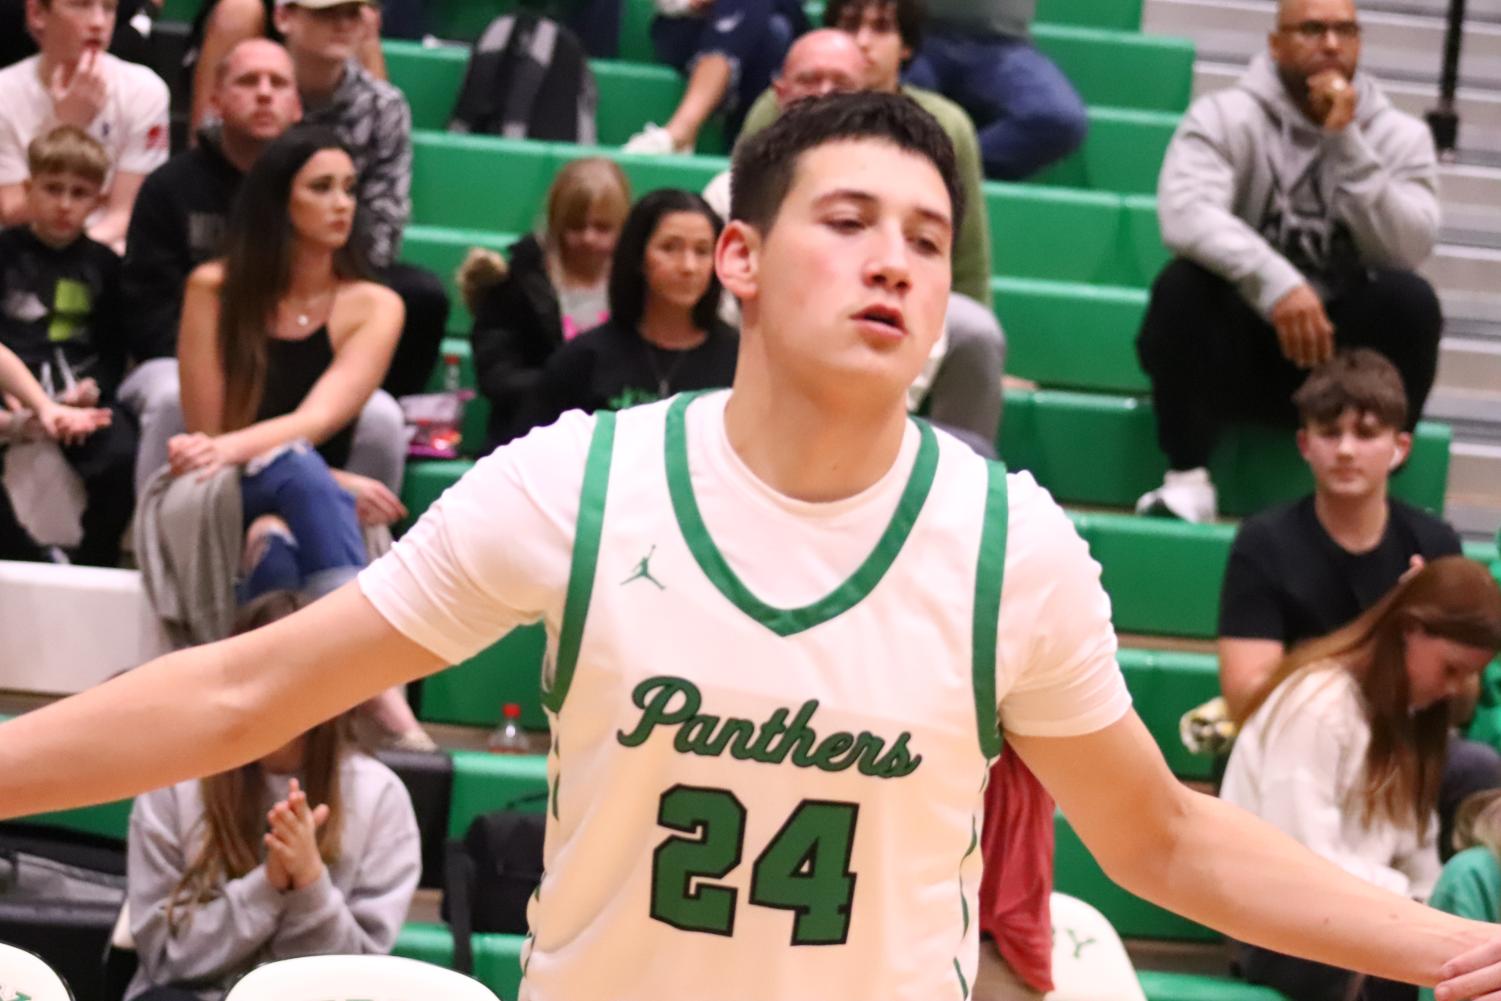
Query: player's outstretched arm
(1220, 866)
(205, 709)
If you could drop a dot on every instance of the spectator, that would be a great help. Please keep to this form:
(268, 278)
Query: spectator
(1303, 570)
(960, 387)
(555, 285)
(664, 334)
(282, 343)
(728, 49)
(1343, 747)
(374, 122)
(59, 308)
(73, 81)
(178, 224)
(127, 42)
(41, 416)
(311, 850)
(888, 32)
(979, 54)
(1470, 883)
(223, 24)
(1298, 203)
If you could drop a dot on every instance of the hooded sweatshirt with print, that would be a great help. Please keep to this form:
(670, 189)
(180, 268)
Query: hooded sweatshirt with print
(1258, 194)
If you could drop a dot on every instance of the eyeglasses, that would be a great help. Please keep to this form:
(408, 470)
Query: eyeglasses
(1313, 31)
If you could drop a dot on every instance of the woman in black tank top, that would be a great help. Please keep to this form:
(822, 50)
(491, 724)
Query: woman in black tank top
(282, 342)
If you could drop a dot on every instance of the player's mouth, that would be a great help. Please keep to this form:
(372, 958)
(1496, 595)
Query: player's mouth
(888, 318)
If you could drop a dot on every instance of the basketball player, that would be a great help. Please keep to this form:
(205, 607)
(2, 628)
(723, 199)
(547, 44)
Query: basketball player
(784, 622)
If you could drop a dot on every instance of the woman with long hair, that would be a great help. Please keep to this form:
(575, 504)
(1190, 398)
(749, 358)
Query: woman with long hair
(1343, 748)
(282, 343)
(553, 285)
(311, 850)
(664, 335)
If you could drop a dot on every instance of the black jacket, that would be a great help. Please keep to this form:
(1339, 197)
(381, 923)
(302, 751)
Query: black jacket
(61, 307)
(177, 223)
(517, 327)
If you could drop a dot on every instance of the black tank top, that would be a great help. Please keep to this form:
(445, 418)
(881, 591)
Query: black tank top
(291, 369)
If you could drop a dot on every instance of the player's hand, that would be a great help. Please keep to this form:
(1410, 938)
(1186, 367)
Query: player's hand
(293, 837)
(1474, 975)
(1303, 328)
(374, 503)
(197, 452)
(71, 425)
(78, 97)
(85, 393)
(1332, 99)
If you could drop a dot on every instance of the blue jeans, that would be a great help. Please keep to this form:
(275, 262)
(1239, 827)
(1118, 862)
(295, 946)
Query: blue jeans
(1027, 113)
(754, 35)
(328, 547)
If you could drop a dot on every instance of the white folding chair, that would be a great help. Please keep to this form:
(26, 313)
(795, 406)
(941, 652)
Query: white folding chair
(369, 978)
(24, 974)
(1089, 961)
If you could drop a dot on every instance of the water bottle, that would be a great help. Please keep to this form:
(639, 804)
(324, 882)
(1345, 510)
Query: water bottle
(508, 738)
(445, 433)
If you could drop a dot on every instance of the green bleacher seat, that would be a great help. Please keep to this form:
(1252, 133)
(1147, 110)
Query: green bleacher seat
(1164, 685)
(107, 820)
(1071, 335)
(483, 782)
(426, 479)
(1163, 986)
(1100, 61)
(497, 958)
(472, 693)
(1122, 152)
(1090, 448)
(1163, 575)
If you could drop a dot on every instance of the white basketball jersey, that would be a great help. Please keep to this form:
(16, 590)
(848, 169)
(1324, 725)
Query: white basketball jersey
(761, 803)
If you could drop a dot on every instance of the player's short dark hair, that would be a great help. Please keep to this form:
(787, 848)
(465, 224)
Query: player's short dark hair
(910, 15)
(1358, 379)
(765, 164)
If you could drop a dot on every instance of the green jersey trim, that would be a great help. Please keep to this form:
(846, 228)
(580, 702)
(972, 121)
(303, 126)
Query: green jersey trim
(789, 621)
(989, 576)
(585, 557)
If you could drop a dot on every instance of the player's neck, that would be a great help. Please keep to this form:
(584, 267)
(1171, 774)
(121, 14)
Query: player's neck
(807, 448)
(317, 79)
(1356, 524)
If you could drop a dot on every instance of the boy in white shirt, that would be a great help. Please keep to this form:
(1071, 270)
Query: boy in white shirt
(73, 81)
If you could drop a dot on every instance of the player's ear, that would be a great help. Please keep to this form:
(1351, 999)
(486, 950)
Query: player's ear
(737, 258)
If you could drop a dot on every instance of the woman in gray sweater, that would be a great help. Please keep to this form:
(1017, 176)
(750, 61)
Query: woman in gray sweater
(311, 850)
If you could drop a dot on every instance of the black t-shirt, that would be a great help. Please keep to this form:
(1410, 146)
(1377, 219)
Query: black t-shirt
(613, 367)
(60, 307)
(1288, 580)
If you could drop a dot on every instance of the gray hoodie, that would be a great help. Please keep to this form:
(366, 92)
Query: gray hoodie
(1255, 192)
(358, 905)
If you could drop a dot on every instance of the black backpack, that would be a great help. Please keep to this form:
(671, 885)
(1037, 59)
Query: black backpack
(490, 876)
(528, 78)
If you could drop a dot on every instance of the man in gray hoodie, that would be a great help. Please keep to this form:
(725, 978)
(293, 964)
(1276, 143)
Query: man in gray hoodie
(1297, 203)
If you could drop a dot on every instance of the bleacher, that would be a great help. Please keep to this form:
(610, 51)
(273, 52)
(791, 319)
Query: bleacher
(1073, 254)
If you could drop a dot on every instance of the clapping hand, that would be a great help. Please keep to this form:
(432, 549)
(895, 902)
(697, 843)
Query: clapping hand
(292, 857)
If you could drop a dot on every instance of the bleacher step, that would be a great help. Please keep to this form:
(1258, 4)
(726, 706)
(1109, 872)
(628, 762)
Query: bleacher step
(1394, 46)
(1476, 11)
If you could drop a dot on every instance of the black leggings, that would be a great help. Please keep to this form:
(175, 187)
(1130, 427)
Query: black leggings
(1212, 358)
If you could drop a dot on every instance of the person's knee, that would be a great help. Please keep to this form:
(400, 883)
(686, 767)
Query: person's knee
(1184, 297)
(1410, 296)
(1470, 767)
(1057, 128)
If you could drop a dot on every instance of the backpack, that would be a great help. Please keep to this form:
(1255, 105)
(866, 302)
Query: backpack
(528, 78)
(489, 877)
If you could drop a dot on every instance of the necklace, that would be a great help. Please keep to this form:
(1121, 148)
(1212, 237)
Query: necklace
(304, 316)
(664, 379)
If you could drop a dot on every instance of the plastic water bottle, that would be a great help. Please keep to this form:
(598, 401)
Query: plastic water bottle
(445, 434)
(508, 737)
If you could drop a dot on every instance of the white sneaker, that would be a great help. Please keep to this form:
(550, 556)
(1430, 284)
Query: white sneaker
(652, 139)
(1188, 495)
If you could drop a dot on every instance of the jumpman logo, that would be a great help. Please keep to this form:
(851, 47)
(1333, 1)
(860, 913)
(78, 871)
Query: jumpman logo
(643, 572)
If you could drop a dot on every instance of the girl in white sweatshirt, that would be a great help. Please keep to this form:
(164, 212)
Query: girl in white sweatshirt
(1344, 746)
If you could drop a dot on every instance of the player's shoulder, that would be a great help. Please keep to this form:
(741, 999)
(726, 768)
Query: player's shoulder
(20, 74)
